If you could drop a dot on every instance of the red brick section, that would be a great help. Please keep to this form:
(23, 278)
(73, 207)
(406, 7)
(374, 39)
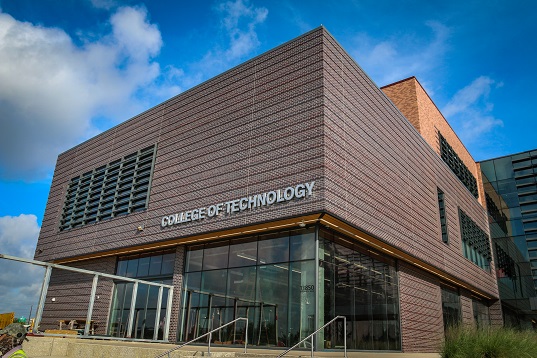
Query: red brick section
(416, 105)
(72, 292)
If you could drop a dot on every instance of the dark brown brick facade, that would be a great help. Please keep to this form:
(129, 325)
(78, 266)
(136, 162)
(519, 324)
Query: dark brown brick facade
(301, 112)
(72, 290)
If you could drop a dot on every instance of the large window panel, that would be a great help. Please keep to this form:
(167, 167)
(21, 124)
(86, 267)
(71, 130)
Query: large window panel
(274, 248)
(215, 257)
(243, 252)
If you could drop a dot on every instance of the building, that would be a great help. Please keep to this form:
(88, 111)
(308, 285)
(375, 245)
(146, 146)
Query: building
(511, 195)
(289, 190)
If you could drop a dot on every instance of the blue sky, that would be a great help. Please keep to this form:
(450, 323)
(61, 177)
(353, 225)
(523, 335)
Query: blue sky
(71, 69)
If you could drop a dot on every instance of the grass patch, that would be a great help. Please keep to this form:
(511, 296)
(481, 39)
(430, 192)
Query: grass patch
(467, 342)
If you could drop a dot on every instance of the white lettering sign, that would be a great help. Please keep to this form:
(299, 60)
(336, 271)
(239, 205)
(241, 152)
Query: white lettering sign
(299, 191)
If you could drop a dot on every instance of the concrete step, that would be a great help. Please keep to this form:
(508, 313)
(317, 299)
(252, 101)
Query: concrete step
(72, 347)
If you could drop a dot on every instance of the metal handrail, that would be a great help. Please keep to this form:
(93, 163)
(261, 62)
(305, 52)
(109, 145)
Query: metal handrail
(317, 331)
(210, 334)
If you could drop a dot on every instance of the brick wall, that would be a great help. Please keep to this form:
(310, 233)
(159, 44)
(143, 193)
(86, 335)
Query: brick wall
(255, 128)
(416, 105)
(421, 310)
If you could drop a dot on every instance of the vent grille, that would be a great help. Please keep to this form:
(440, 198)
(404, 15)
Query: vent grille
(118, 188)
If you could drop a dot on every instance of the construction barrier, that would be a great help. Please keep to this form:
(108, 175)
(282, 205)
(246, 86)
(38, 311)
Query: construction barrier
(6, 319)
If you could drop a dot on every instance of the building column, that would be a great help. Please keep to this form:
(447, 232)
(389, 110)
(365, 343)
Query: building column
(177, 289)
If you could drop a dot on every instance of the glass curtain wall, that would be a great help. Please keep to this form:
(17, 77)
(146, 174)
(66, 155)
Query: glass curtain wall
(267, 278)
(361, 285)
(154, 267)
(276, 282)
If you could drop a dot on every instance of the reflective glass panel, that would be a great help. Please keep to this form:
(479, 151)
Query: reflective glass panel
(243, 253)
(274, 248)
(155, 264)
(504, 168)
(302, 244)
(168, 261)
(215, 257)
(194, 258)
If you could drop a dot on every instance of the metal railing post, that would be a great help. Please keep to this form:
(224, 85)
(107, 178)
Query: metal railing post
(312, 345)
(42, 298)
(90, 308)
(345, 335)
(166, 327)
(210, 339)
(132, 309)
(246, 336)
(157, 315)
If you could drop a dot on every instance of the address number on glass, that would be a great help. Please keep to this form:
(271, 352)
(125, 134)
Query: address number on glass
(307, 288)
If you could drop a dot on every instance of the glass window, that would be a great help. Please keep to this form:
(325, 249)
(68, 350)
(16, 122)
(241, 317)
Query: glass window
(122, 268)
(451, 307)
(443, 219)
(302, 244)
(507, 186)
(273, 295)
(243, 252)
(138, 266)
(279, 296)
(510, 200)
(194, 258)
(302, 299)
(168, 261)
(132, 268)
(274, 248)
(143, 267)
(481, 313)
(488, 169)
(241, 283)
(504, 168)
(361, 288)
(215, 257)
(513, 213)
(214, 282)
(155, 264)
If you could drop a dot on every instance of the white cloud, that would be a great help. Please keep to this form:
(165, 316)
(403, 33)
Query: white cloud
(470, 112)
(242, 37)
(104, 4)
(388, 61)
(51, 88)
(238, 26)
(20, 283)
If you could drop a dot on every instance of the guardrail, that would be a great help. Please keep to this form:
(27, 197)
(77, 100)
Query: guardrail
(96, 275)
(317, 331)
(210, 334)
